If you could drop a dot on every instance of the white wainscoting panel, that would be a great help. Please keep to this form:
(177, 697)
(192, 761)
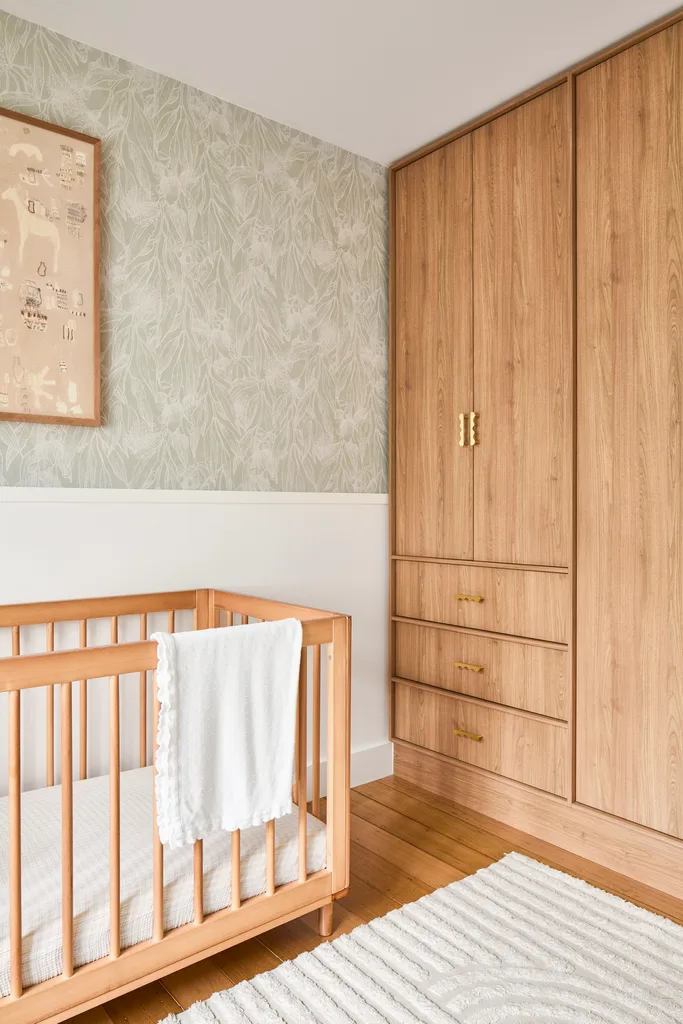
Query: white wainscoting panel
(322, 550)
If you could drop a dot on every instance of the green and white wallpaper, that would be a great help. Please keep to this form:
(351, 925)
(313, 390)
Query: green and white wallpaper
(244, 289)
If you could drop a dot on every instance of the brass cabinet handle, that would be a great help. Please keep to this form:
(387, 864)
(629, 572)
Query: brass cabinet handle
(461, 417)
(470, 668)
(468, 735)
(473, 428)
(472, 439)
(477, 598)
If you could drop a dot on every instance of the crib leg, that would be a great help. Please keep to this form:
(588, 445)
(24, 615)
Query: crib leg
(326, 920)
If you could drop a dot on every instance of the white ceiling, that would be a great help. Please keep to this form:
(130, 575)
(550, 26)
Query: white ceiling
(378, 77)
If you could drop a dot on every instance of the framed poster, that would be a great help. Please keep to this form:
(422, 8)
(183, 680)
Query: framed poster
(49, 273)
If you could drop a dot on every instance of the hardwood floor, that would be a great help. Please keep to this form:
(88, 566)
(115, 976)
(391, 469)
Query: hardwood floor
(405, 843)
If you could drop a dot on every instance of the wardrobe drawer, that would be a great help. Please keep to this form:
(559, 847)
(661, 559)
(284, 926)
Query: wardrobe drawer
(521, 675)
(522, 602)
(509, 743)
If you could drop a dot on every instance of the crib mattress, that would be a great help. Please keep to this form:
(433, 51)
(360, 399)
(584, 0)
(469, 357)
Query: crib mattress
(41, 872)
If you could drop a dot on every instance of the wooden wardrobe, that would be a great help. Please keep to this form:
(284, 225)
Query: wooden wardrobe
(537, 461)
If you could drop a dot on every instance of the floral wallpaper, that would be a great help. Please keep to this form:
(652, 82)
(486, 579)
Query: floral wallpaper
(244, 289)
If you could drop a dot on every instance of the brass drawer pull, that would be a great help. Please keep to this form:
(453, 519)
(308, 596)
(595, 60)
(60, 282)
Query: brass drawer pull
(477, 598)
(470, 668)
(468, 735)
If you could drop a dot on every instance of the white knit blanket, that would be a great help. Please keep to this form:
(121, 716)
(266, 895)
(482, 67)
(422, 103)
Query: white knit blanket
(226, 728)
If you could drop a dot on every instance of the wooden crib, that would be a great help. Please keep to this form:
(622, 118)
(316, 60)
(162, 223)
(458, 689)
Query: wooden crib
(78, 988)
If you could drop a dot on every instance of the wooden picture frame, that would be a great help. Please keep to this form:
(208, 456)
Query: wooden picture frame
(49, 273)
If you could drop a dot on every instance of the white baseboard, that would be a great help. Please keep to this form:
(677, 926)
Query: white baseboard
(366, 765)
(372, 763)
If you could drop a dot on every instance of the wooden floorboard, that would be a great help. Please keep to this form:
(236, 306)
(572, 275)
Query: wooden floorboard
(404, 843)
(389, 878)
(145, 1005)
(367, 901)
(196, 982)
(241, 963)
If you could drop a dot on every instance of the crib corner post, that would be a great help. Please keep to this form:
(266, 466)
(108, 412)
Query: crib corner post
(203, 609)
(339, 753)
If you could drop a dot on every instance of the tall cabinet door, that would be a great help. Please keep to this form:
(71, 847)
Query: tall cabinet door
(522, 333)
(433, 356)
(629, 711)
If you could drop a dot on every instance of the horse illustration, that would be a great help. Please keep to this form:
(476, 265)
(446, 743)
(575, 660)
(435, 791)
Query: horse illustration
(28, 149)
(32, 224)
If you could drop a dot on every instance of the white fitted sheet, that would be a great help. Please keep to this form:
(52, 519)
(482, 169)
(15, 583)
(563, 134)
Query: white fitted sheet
(41, 872)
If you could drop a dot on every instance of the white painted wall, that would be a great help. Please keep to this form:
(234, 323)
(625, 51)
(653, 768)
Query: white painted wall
(322, 550)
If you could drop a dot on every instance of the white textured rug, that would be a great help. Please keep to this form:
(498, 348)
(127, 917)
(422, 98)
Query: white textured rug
(517, 942)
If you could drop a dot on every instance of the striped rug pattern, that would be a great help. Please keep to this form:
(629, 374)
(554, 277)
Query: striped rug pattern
(516, 942)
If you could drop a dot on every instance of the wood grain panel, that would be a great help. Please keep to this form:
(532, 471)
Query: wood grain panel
(515, 745)
(433, 346)
(516, 601)
(630, 408)
(522, 333)
(517, 674)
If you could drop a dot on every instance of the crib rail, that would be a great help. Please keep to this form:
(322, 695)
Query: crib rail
(15, 615)
(95, 662)
(80, 987)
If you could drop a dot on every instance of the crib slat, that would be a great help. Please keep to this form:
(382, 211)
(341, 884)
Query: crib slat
(114, 629)
(14, 765)
(270, 857)
(301, 766)
(158, 850)
(83, 710)
(198, 882)
(315, 781)
(67, 835)
(199, 845)
(229, 618)
(143, 698)
(50, 714)
(235, 883)
(171, 621)
(14, 800)
(114, 821)
(297, 730)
